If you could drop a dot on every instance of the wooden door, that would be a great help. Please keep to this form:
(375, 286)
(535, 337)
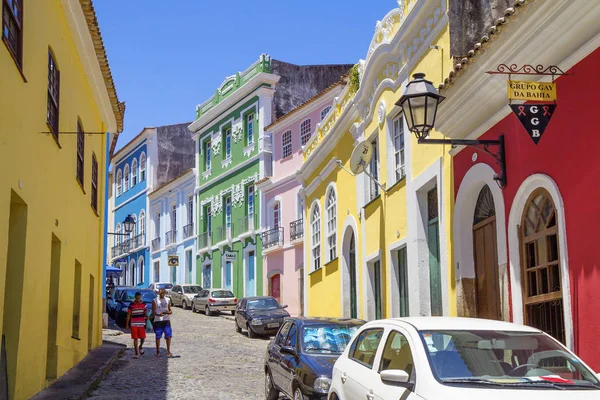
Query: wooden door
(486, 269)
(275, 287)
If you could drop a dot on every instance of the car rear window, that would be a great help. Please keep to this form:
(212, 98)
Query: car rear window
(192, 289)
(221, 294)
(164, 286)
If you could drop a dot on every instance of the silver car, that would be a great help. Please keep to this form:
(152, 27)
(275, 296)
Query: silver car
(214, 300)
(182, 295)
(161, 285)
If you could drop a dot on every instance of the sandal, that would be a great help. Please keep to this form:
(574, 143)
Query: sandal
(169, 354)
(142, 352)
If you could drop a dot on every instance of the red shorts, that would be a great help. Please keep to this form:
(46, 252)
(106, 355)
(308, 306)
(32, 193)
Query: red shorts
(138, 332)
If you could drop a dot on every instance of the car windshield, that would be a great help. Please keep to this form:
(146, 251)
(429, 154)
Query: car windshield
(147, 295)
(267, 303)
(164, 286)
(327, 339)
(502, 357)
(221, 294)
(192, 289)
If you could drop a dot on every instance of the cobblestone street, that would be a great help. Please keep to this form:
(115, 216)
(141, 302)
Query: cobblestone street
(211, 361)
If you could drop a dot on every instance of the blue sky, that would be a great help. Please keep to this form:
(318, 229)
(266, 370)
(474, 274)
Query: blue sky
(168, 56)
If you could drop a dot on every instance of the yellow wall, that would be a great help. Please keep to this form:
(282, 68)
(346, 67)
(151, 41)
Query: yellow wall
(42, 174)
(385, 219)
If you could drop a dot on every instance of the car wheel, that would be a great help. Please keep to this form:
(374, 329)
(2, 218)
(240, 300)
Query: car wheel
(270, 392)
(251, 333)
(193, 307)
(237, 327)
(207, 311)
(298, 394)
(184, 305)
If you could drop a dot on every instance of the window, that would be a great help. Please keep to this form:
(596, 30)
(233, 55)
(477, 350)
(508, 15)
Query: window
(207, 155)
(397, 354)
(250, 201)
(141, 270)
(331, 224)
(118, 231)
(174, 220)
(207, 218)
(282, 335)
(250, 128)
(80, 151)
(190, 210)
(305, 132)
(53, 95)
(207, 275)
(134, 172)
(398, 127)
(228, 143)
(133, 232)
(142, 223)
(324, 112)
(377, 289)
(76, 300)
(142, 167)
(157, 224)
(157, 271)
(373, 168)
(126, 177)
(12, 28)
(228, 211)
(315, 221)
(276, 215)
(94, 183)
(286, 144)
(119, 182)
(403, 281)
(365, 346)
(292, 336)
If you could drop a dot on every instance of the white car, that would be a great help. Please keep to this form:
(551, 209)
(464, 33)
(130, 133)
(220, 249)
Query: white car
(439, 358)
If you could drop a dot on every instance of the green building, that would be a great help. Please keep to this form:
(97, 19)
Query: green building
(232, 154)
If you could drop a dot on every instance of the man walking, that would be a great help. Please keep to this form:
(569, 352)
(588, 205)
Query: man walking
(136, 321)
(161, 308)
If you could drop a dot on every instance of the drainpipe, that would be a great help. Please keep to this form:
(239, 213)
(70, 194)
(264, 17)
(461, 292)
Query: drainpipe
(105, 239)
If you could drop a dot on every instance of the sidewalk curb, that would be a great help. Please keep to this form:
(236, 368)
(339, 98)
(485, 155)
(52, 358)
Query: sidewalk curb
(70, 386)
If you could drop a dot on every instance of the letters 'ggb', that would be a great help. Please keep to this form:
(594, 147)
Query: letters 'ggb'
(534, 118)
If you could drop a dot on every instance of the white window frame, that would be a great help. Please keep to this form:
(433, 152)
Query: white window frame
(305, 131)
(142, 167)
(331, 213)
(154, 265)
(132, 275)
(119, 238)
(227, 143)
(140, 264)
(315, 236)
(126, 178)
(373, 169)
(142, 223)
(399, 159)
(119, 182)
(228, 212)
(276, 215)
(250, 128)
(286, 144)
(207, 154)
(324, 112)
(190, 210)
(134, 172)
(173, 220)
(250, 199)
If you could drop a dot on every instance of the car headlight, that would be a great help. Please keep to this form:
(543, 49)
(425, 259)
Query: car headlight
(256, 322)
(322, 384)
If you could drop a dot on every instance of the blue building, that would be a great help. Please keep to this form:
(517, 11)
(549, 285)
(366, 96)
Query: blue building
(173, 247)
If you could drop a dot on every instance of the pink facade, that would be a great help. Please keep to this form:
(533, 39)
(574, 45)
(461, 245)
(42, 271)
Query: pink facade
(283, 258)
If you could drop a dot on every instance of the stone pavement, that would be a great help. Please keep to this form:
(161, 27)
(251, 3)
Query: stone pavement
(211, 361)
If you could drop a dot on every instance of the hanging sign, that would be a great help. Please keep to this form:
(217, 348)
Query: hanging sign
(534, 117)
(173, 261)
(536, 91)
(230, 255)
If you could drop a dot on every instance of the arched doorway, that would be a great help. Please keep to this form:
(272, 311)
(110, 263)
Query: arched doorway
(276, 286)
(352, 273)
(348, 281)
(132, 275)
(485, 257)
(541, 275)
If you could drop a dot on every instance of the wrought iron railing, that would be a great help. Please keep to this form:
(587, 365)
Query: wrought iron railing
(188, 231)
(204, 240)
(246, 224)
(296, 229)
(170, 237)
(272, 237)
(155, 245)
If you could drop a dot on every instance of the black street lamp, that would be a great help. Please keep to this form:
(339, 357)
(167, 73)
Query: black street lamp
(128, 226)
(420, 103)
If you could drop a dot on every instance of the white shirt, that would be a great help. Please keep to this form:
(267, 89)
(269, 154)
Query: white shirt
(161, 306)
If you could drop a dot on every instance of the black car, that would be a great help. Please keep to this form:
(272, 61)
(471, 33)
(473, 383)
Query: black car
(299, 361)
(261, 315)
(126, 298)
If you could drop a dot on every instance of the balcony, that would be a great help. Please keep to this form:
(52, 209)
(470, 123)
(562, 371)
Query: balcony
(246, 224)
(296, 229)
(224, 233)
(137, 241)
(272, 237)
(204, 240)
(188, 231)
(170, 237)
(155, 245)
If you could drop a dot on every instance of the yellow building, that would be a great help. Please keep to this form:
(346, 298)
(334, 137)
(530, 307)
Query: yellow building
(370, 251)
(56, 84)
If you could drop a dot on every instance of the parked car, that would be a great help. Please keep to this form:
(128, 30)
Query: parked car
(182, 295)
(126, 298)
(300, 359)
(111, 299)
(259, 316)
(214, 300)
(458, 358)
(161, 285)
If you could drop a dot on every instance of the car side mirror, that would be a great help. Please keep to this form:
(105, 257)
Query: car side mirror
(394, 376)
(284, 306)
(289, 350)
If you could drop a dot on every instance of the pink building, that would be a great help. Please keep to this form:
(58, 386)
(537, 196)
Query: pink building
(283, 233)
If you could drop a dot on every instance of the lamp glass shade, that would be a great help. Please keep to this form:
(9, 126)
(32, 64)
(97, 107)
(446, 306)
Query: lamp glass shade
(419, 104)
(129, 224)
